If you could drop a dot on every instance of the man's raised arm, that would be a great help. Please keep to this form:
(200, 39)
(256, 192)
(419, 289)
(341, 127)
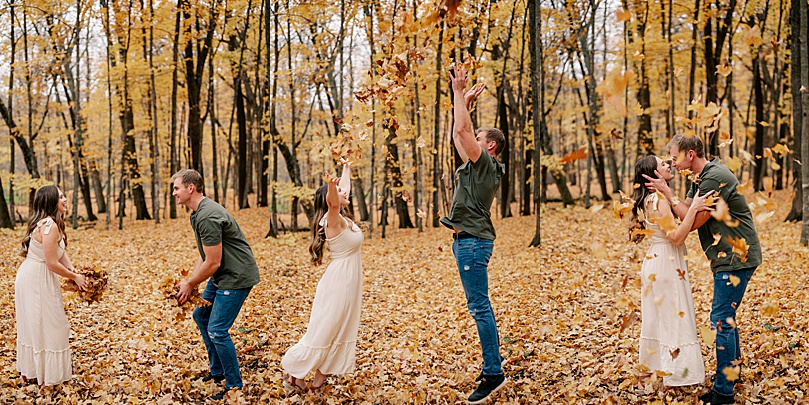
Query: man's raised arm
(462, 132)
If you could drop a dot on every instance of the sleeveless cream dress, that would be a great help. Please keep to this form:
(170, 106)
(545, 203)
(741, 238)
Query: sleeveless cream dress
(330, 341)
(668, 338)
(43, 350)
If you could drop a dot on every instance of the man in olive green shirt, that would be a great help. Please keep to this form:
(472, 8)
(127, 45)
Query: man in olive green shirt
(729, 240)
(476, 182)
(227, 261)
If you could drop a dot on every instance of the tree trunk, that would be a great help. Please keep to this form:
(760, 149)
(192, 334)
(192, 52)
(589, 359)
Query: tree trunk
(241, 121)
(154, 137)
(758, 147)
(416, 116)
(98, 187)
(11, 150)
(645, 136)
(394, 173)
(173, 164)
(803, 55)
(797, 44)
(212, 110)
(692, 76)
(437, 169)
(538, 99)
(194, 72)
(273, 130)
(505, 197)
(713, 55)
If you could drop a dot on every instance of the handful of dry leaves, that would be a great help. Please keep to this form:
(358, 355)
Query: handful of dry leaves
(170, 292)
(96, 284)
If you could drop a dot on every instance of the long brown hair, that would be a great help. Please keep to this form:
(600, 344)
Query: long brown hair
(646, 165)
(319, 232)
(46, 204)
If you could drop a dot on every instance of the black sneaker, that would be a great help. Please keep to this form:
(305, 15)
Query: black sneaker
(503, 362)
(221, 395)
(714, 398)
(489, 384)
(216, 378)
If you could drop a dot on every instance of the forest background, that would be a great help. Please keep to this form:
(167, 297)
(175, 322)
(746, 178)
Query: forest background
(108, 99)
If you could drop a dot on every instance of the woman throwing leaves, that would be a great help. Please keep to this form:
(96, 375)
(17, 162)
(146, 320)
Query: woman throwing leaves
(330, 342)
(668, 338)
(43, 350)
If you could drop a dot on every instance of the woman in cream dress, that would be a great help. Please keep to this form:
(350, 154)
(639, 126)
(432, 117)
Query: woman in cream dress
(43, 350)
(330, 342)
(668, 340)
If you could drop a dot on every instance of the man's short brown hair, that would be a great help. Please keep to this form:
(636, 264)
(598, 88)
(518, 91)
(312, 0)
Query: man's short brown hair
(190, 176)
(494, 135)
(686, 143)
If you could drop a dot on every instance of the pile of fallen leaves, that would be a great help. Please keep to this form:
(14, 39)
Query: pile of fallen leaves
(417, 342)
(94, 288)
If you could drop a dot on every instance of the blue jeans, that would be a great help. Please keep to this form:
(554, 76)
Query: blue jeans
(472, 255)
(726, 301)
(213, 322)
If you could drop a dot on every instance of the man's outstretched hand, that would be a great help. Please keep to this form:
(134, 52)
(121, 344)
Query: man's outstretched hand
(458, 79)
(473, 93)
(657, 183)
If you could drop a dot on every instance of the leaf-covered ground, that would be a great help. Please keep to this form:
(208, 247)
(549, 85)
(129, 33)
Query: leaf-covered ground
(589, 286)
(417, 342)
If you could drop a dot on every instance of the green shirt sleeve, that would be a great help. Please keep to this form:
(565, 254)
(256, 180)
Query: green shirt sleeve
(484, 166)
(210, 231)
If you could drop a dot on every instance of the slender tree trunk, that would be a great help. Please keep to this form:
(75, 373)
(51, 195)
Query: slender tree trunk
(797, 44)
(293, 157)
(98, 187)
(154, 138)
(437, 169)
(713, 55)
(12, 153)
(173, 166)
(369, 12)
(214, 115)
(416, 116)
(28, 152)
(758, 147)
(273, 130)
(110, 181)
(537, 75)
(803, 55)
(693, 70)
(194, 72)
(645, 136)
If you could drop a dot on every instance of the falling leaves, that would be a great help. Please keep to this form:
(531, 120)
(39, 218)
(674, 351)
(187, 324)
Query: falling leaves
(740, 247)
(628, 320)
(725, 69)
(573, 156)
(731, 373)
(623, 15)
